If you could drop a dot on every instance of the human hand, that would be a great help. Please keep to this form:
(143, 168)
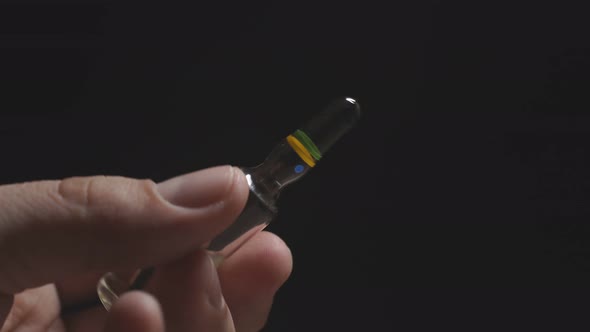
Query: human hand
(57, 238)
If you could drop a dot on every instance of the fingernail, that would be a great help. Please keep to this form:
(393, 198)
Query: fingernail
(214, 288)
(199, 189)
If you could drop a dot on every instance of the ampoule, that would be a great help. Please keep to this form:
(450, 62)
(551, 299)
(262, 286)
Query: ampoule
(288, 162)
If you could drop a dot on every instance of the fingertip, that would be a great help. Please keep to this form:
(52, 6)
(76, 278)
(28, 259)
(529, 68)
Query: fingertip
(135, 311)
(191, 295)
(241, 181)
(240, 189)
(251, 277)
(264, 263)
(276, 257)
(203, 187)
(214, 194)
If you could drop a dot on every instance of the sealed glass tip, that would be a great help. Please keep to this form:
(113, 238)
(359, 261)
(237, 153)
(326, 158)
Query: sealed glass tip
(327, 127)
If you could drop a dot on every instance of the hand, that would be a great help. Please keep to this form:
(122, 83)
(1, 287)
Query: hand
(57, 238)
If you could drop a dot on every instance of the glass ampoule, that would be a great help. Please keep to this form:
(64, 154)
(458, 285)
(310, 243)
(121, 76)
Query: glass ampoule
(288, 162)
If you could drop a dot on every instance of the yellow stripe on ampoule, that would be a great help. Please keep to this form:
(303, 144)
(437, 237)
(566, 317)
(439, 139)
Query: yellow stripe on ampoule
(301, 150)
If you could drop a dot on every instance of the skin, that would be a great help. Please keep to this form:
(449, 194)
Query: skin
(58, 237)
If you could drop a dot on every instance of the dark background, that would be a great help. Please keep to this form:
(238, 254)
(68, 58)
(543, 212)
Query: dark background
(461, 200)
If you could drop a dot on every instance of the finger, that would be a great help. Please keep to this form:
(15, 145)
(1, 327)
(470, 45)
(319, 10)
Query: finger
(251, 277)
(275, 264)
(23, 308)
(135, 312)
(55, 229)
(190, 295)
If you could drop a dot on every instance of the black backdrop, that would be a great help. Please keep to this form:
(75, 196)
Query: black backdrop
(459, 202)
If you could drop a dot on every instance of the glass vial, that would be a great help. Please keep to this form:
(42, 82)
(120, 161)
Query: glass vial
(288, 161)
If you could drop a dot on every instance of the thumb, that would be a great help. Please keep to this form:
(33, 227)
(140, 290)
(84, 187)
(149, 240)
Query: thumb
(50, 230)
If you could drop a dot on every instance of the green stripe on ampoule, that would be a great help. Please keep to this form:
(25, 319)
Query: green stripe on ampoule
(308, 143)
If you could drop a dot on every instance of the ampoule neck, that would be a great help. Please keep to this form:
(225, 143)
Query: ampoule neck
(280, 168)
(264, 183)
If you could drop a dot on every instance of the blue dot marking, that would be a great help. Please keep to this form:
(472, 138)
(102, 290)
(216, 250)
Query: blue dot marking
(299, 169)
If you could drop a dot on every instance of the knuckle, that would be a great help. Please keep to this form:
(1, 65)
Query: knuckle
(145, 195)
(106, 196)
(149, 192)
(74, 192)
(80, 196)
